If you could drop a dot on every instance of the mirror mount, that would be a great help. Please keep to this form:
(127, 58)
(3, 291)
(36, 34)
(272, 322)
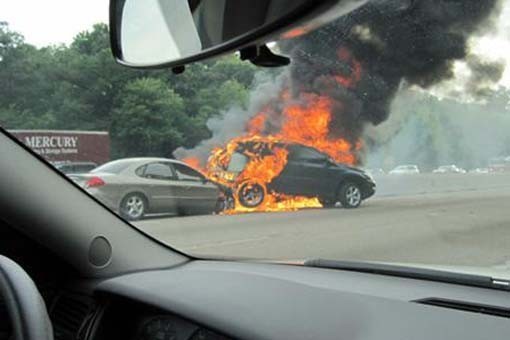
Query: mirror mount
(178, 69)
(263, 56)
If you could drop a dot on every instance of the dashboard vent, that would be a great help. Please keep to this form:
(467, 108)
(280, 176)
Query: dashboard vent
(70, 316)
(467, 306)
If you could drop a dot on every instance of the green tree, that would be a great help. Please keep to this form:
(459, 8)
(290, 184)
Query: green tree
(81, 87)
(149, 119)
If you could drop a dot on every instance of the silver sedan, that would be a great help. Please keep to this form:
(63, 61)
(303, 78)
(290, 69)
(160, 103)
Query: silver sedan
(135, 187)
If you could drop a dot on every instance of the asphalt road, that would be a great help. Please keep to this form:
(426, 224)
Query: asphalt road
(449, 223)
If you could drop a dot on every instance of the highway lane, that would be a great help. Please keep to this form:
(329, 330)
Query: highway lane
(459, 228)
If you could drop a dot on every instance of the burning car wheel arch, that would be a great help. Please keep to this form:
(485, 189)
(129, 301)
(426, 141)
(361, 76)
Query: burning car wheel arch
(251, 194)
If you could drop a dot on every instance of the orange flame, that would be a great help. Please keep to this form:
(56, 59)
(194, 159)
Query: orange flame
(278, 202)
(194, 162)
(351, 80)
(294, 33)
(308, 124)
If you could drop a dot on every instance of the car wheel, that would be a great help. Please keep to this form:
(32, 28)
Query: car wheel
(133, 207)
(251, 195)
(349, 195)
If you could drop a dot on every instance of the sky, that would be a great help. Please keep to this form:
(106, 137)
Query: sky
(46, 22)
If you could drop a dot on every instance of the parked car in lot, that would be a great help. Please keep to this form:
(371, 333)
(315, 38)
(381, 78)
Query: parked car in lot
(75, 167)
(135, 187)
(449, 169)
(408, 169)
(307, 172)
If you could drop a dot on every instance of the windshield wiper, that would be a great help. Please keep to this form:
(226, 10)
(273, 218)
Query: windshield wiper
(412, 273)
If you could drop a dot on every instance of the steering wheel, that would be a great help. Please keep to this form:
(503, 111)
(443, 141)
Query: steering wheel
(25, 306)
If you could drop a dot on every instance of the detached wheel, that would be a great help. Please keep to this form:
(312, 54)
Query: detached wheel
(251, 195)
(133, 207)
(349, 195)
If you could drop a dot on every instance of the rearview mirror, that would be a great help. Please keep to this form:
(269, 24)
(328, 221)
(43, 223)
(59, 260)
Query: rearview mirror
(170, 33)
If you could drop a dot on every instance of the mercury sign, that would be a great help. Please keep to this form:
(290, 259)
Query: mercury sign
(62, 146)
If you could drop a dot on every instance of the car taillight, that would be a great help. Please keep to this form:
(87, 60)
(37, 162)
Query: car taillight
(94, 182)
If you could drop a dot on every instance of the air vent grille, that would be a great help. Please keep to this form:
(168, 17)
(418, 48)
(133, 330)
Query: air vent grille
(69, 315)
(467, 306)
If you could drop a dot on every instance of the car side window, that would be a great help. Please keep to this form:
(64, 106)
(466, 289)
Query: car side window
(185, 173)
(66, 169)
(140, 171)
(83, 168)
(306, 154)
(158, 171)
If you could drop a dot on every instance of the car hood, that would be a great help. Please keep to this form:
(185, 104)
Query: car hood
(501, 271)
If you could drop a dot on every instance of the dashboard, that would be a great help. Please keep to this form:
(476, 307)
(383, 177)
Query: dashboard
(270, 301)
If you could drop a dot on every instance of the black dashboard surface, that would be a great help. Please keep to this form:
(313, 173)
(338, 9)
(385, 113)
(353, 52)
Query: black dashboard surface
(267, 301)
(125, 319)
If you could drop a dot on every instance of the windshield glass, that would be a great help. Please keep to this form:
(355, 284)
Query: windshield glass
(387, 138)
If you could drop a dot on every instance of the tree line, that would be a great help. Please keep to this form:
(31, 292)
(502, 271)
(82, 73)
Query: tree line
(153, 112)
(80, 87)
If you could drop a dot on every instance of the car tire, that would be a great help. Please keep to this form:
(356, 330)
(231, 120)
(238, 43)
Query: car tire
(251, 195)
(350, 195)
(133, 207)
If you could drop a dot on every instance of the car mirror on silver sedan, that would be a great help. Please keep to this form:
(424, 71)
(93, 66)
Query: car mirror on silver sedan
(172, 33)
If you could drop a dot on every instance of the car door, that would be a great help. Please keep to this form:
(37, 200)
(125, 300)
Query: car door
(158, 179)
(307, 173)
(194, 193)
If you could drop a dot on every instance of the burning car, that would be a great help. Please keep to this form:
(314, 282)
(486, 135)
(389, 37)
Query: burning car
(263, 171)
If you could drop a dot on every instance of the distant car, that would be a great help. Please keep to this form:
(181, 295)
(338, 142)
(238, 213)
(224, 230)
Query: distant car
(449, 169)
(499, 164)
(409, 169)
(75, 167)
(479, 171)
(135, 187)
(374, 171)
(307, 172)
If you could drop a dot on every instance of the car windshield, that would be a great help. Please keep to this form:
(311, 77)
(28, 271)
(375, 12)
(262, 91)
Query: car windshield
(237, 162)
(228, 159)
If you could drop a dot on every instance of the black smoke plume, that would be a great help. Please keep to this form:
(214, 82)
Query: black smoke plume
(383, 44)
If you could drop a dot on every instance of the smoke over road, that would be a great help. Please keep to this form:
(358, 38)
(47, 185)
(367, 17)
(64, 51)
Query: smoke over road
(360, 61)
(383, 44)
